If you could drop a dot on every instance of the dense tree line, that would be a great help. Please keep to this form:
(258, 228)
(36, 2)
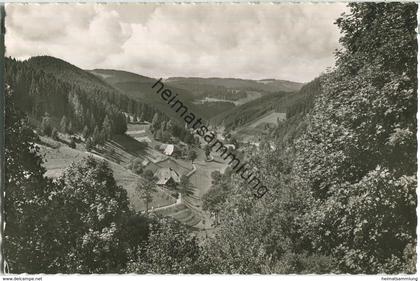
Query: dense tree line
(358, 157)
(165, 130)
(287, 132)
(304, 99)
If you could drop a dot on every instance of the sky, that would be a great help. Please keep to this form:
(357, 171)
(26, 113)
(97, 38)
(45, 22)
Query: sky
(251, 41)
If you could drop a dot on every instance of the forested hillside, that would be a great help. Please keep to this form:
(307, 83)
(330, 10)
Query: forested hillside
(52, 90)
(193, 90)
(291, 103)
(139, 88)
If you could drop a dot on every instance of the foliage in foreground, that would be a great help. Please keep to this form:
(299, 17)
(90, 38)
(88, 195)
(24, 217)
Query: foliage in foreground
(344, 196)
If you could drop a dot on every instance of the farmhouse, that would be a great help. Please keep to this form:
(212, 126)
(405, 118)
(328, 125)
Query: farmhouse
(170, 149)
(167, 177)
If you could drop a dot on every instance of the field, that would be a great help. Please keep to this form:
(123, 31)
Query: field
(183, 214)
(57, 159)
(140, 133)
(201, 179)
(270, 118)
(59, 156)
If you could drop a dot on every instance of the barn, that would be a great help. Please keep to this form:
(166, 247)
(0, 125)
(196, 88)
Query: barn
(167, 177)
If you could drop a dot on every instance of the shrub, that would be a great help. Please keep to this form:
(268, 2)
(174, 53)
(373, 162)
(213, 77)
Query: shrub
(72, 143)
(136, 166)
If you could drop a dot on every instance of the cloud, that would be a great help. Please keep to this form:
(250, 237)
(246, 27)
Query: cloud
(284, 41)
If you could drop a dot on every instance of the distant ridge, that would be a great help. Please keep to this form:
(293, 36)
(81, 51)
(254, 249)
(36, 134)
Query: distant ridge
(265, 85)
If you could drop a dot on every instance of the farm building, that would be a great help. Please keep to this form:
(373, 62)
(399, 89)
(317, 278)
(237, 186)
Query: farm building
(170, 149)
(167, 177)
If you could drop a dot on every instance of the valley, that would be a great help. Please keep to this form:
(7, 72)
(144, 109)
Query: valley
(203, 159)
(249, 96)
(152, 139)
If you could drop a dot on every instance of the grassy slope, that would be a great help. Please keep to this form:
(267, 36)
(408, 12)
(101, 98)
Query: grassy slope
(59, 156)
(270, 118)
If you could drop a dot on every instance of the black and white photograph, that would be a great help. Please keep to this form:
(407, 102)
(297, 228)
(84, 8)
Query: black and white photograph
(210, 138)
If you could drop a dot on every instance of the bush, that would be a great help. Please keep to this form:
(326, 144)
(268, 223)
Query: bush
(89, 144)
(54, 134)
(136, 166)
(46, 128)
(72, 143)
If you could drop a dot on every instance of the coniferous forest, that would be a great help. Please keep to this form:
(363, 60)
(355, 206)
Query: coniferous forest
(79, 103)
(342, 175)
